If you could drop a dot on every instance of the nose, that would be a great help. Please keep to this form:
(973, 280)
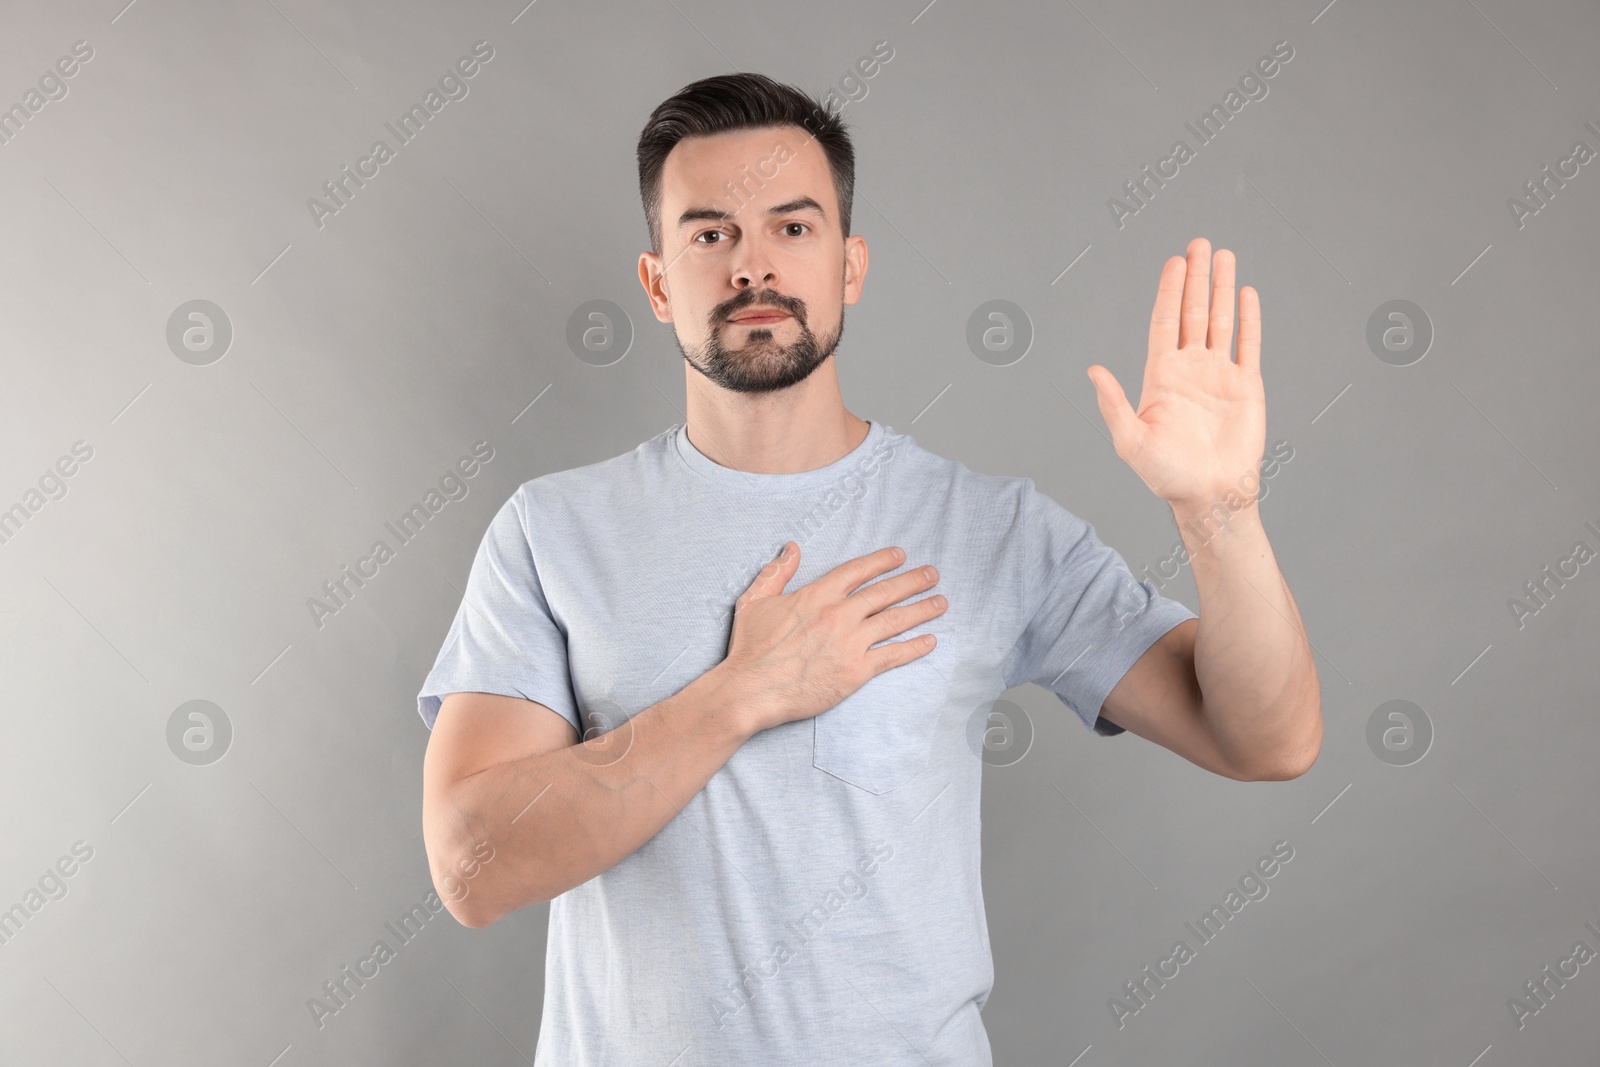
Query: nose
(753, 266)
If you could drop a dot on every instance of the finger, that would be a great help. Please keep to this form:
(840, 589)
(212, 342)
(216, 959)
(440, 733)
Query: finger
(1196, 293)
(897, 653)
(875, 599)
(1126, 429)
(893, 621)
(847, 576)
(1169, 298)
(1220, 339)
(1249, 330)
(776, 574)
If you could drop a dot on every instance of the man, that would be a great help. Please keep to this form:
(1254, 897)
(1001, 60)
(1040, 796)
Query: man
(765, 850)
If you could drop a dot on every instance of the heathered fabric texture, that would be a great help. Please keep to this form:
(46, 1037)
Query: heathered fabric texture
(818, 902)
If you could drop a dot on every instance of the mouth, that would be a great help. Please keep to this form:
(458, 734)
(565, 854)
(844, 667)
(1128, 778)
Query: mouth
(761, 318)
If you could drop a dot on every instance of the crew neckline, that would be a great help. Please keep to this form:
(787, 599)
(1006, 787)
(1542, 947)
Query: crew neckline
(786, 484)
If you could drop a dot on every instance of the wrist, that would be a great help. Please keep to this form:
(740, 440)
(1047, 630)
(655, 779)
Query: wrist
(1220, 531)
(1204, 519)
(733, 702)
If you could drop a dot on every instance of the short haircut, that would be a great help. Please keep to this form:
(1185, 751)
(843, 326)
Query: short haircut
(739, 102)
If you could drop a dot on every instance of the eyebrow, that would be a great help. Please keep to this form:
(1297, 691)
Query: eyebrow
(709, 214)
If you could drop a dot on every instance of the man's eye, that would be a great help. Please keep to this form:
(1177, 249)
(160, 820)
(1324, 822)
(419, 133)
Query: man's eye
(800, 224)
(708, 233)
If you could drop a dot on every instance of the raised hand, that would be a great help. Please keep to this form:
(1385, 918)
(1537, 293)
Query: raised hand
(1202, 419)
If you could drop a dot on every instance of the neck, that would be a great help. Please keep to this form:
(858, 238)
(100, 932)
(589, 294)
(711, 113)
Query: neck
(796, 430)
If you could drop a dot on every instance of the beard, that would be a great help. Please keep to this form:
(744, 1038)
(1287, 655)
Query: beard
(763, 364)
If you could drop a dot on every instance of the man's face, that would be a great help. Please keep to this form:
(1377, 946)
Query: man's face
(753, 273)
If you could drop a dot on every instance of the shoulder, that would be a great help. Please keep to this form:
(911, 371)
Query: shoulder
(588, 484)
(1002, 518)
(995, 495)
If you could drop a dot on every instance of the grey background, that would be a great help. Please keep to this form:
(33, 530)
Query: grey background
(430, 313)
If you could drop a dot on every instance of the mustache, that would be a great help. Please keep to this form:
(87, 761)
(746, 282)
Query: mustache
(766, 298)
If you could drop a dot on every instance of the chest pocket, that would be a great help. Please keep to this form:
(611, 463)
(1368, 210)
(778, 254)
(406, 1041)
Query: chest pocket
(880, 736)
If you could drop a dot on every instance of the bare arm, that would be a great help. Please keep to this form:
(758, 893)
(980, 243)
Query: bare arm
(516, 811)
(504, 833)
(1197, 441)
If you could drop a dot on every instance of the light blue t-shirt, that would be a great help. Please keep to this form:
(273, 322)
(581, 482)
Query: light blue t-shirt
(819, 901)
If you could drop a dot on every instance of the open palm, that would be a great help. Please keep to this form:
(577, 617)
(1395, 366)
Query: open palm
(1202, 420)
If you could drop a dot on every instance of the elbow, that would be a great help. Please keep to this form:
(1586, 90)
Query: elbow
(470, 916)
(1288, 761)
(461, 876)
(469, 903)
(1297, 760)
(471, 893)
(1302, 764)
(476, 912)
(465, 906)
(1285, 771)
(478, 882)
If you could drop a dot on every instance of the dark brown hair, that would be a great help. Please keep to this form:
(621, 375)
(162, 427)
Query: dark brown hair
(739, 102)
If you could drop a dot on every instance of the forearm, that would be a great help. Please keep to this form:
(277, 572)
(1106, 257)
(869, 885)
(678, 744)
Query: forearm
(1260, 692)
(557, 819)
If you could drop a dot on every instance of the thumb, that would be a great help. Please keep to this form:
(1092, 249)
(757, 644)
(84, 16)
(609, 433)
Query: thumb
(775, 575)
(1126, 429)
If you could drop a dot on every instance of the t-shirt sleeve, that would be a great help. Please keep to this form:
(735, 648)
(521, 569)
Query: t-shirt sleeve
(1089, 620)
(504, 638)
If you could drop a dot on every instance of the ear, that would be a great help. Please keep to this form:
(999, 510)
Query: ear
(654, 280)
(855, 267)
